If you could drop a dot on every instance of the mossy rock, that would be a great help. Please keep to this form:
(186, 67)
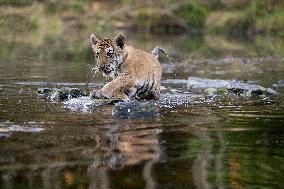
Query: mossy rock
(135, 110)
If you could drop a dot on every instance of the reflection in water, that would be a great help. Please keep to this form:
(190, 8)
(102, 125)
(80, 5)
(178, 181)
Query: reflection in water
(200, 164)
(116, 148)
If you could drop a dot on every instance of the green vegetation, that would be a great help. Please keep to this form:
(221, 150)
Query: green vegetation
(158, 22)
(255, 18)
(16, 2)
(59, 30)
(192, 13)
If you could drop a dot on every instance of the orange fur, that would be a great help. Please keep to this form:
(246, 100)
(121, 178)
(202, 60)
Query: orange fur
(136, 73)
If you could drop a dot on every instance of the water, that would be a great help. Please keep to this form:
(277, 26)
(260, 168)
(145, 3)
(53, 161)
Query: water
(188, 140)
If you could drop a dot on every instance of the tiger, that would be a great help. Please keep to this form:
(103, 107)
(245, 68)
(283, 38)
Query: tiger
(135, 73)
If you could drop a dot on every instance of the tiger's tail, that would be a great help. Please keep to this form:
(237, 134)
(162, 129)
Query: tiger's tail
(156, 51)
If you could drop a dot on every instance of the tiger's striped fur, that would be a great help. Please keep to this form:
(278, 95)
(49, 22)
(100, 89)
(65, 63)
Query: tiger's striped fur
(136, 74)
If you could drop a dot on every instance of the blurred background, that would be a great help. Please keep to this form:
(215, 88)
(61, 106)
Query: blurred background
(56, 30)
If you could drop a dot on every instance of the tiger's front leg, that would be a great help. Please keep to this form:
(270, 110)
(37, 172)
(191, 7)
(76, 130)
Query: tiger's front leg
(114, 89)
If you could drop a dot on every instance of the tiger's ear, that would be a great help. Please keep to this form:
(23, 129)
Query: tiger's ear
(94, 39)
(120, 40)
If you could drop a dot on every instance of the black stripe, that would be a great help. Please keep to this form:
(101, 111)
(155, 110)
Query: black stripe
(141, 89)
(138, 89)
(152, 85)
(145, 89)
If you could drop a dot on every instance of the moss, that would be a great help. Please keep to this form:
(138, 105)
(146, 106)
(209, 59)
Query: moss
(192, 13)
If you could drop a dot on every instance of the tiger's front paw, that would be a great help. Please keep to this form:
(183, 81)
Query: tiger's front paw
(99, 94)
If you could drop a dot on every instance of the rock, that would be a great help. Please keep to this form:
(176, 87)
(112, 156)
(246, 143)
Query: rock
(86, 103)
(175, 81)
(44, 91)
(211, 91)
(135, 110)
(66, 93)
(4, 130)
(216, 86)
(250, 90)
(201, 83)
(280, 84)
(4, 135)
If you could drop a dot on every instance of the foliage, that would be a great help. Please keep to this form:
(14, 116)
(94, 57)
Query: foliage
(158, 22)
(59, 30)
(16, 2)
(193, 13)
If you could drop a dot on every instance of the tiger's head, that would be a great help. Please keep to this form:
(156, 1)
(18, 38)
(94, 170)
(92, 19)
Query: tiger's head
(108, 53)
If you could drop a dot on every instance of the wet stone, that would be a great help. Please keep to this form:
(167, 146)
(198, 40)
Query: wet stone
(216, 86)
(251, 90)
(44, 91)
(280, 84)
(135, 110)
(203, 83)
(86, 103)
(59, 94)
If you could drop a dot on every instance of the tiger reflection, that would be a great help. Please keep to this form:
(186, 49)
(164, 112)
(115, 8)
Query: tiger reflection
(120, 147)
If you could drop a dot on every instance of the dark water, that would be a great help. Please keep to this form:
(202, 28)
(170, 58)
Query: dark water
(224, 144)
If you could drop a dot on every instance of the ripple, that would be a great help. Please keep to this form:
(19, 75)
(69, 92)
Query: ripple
(30, 127)
(42, 83)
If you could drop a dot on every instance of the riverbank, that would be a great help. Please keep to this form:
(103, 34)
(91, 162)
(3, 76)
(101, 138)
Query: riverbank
(59, 30)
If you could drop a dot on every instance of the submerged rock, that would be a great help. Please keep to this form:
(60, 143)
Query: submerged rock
(135, 110)
(216, 86)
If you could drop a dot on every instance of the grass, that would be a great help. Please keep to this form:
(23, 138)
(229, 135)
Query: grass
(60, 30)
(16, 2)
(192, 13)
